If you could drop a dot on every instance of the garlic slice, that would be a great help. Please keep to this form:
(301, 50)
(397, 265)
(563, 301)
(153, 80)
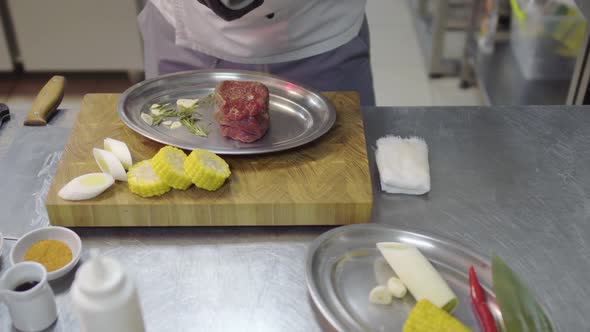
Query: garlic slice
(187, 103)
(147, 118)
(380, 295)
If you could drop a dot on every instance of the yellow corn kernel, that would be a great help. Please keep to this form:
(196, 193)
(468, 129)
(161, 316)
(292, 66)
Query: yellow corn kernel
(206, 169)
(168, 164)
(426, 317)
(143, 181)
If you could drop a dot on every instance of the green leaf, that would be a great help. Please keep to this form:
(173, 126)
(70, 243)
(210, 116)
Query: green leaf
(520, 311)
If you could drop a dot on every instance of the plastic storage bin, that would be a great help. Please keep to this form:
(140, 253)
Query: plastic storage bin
(546, 46)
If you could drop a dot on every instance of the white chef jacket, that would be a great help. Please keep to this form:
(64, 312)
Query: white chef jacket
(298, 29)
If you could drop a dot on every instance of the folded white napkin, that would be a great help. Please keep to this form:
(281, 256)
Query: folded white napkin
(403, 165)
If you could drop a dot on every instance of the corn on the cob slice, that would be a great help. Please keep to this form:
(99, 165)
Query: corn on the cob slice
(143, 181)
(418, 274)
(206, 169)
(168, 164)
(427, 317)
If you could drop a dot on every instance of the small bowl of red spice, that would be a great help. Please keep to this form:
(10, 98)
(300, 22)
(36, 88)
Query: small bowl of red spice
(58, 249)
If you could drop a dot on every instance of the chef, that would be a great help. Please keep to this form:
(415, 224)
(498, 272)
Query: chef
(320, 43)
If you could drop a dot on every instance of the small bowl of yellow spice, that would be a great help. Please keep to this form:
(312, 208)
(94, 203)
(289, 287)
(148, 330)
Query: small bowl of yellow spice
(56, 248)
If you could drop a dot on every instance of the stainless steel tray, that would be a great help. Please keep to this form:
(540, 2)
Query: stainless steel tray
(340, 273)
(298, 115)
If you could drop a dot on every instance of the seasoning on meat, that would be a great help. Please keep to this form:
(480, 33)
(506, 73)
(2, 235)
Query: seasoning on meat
(241, 109)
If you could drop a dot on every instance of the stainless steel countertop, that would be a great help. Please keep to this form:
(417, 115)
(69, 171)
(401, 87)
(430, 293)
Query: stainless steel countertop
(510, 180)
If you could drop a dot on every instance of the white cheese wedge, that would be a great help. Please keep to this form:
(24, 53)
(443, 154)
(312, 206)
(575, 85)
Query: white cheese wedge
(418, 274)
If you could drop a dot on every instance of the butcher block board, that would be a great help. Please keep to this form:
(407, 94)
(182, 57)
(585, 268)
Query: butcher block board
(325, 182)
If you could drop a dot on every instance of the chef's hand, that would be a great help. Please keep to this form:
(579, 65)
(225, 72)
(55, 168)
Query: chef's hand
(230, 10)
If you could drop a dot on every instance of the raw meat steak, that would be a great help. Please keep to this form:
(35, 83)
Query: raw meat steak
(241, 109)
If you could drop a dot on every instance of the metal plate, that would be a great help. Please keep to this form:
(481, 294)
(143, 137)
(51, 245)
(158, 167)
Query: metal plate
(298, 115)
(341, 271)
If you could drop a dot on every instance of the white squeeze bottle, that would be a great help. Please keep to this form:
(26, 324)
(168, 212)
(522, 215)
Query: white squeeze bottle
(105, 298)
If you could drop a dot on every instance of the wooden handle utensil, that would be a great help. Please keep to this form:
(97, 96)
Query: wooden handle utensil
(46, 103)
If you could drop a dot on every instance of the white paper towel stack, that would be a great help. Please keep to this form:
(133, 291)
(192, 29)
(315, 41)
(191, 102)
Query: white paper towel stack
(403, 165)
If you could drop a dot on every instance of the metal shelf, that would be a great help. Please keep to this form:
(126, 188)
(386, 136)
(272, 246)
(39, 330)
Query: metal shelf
(431, 21)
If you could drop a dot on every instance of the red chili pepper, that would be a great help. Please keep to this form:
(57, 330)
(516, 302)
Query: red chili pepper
(479, 304)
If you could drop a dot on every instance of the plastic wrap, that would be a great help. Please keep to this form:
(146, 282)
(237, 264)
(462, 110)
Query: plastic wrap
(44, 176)
(27, 170)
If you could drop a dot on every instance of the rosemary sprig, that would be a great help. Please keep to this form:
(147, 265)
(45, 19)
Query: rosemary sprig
(187, 112)
(200, 131)
(162, 116)
(188, 116)
(189, 124)
(206, 101)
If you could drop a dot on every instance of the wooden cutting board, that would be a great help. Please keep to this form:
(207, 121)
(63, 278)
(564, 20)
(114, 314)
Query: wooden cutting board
(326, 182)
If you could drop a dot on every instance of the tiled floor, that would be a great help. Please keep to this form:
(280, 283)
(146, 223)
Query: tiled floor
(398, 69)
(398, 65)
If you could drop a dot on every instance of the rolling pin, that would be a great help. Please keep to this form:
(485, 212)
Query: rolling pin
(46, 103)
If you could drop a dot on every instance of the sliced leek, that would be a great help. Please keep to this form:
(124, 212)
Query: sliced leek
(86, 186)
(120, 150)
(109, 163)
(418, 274)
